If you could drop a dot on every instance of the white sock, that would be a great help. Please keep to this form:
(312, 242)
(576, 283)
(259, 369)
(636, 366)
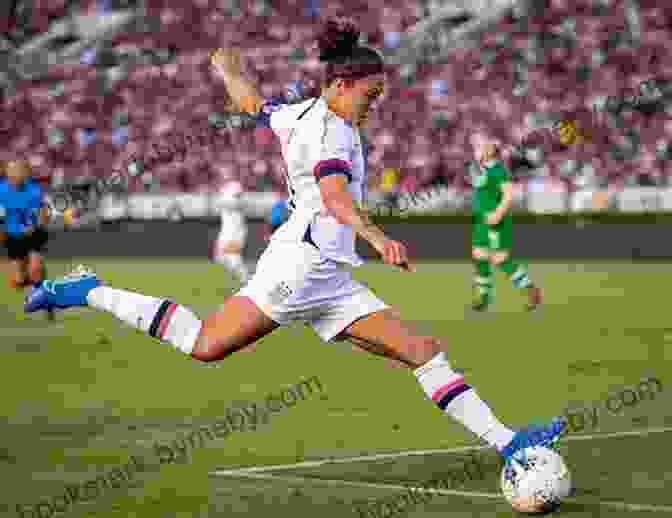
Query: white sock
(235, 263)
(447, 389)
(159, 318)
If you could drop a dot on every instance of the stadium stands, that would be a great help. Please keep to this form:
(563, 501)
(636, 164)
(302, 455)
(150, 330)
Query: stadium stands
(84, 119)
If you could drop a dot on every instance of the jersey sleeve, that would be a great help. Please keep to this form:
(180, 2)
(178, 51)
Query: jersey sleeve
(269, 107)
(336, 145)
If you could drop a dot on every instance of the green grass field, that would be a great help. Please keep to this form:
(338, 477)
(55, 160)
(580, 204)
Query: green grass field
(83, 394)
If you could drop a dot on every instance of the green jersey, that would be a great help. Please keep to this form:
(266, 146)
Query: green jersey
(487, 182)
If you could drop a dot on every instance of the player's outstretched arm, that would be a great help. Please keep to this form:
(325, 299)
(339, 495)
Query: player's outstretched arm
(226, 64)
(337, 198)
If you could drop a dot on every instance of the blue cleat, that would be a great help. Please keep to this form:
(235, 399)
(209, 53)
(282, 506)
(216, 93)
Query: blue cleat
(546, 436)
(67, 292)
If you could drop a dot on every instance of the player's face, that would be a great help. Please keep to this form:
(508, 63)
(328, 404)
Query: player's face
(486, 151)
(18, 171)
(364, 94)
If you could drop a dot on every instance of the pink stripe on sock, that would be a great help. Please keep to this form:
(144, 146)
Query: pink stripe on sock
(166, 319)
(438, 395)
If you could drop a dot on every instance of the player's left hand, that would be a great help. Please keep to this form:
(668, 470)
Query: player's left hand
(493, 218)
(394, 252)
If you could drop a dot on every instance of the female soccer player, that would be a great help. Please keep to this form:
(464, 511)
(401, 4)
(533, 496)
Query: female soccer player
(491, 227)
(305, 273)
(26, 214)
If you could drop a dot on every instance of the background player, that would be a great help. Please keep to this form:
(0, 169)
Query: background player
(305, 273)
(492, 226)
(229, 245)
(22, 201)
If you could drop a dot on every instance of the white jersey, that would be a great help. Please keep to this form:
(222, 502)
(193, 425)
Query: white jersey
(315, 139)
(294, 280)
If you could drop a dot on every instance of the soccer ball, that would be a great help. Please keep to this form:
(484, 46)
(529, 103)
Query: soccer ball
(536, 480)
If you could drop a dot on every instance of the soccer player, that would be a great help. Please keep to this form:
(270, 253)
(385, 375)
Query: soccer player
(22, 201)
(491, 227)
(305, 272)
(232, 233)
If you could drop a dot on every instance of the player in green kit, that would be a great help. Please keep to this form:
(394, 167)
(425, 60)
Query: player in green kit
(492, 226)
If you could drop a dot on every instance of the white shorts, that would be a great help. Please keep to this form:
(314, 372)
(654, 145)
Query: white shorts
(294, 283)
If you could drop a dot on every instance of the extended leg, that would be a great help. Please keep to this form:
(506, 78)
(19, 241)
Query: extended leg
(238, 323)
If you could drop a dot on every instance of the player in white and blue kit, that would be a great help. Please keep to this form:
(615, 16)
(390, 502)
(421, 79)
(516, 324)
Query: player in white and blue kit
(229, 245)
(305, 272)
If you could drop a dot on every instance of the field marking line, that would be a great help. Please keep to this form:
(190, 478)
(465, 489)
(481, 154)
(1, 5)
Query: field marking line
(411, 453)
(450, 492)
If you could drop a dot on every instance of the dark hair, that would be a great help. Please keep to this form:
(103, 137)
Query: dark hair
(344, 56)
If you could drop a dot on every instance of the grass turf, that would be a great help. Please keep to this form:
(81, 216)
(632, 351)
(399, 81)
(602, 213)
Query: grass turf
(84, 393)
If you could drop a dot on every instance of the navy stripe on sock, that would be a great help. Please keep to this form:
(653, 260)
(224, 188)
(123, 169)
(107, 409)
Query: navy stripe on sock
(156, 322)
(445, 400)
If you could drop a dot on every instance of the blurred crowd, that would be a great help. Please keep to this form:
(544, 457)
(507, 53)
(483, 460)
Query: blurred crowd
(600, 64)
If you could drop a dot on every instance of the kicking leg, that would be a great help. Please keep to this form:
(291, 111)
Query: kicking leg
(483, 279)
(519, 277)
(384, 333)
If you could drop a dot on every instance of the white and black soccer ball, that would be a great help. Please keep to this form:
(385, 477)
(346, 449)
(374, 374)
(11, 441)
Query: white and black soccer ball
(536, 480)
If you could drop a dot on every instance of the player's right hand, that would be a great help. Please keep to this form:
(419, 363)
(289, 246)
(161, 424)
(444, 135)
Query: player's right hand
(394, 252)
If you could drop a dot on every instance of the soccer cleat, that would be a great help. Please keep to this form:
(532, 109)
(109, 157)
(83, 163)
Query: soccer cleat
(482, 303)
(534, 298)
(67, 292)
(480, 306)
(531, 436)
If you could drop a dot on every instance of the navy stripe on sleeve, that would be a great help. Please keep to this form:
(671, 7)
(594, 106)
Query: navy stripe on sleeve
(334, 166)
(263, 118)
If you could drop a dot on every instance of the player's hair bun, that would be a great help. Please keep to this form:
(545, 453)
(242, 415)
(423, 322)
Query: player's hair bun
(338, 39)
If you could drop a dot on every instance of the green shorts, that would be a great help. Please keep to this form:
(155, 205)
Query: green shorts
(491, 237)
